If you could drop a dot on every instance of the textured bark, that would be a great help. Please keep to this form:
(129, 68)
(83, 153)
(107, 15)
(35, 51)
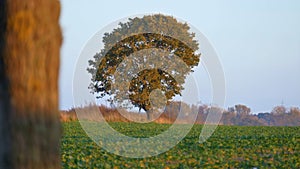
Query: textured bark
(29, 63)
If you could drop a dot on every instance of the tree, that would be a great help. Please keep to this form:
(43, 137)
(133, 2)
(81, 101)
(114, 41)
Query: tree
(228, 117)
(242, 109)
(202, 114)
(266, 118)
(294, 115)
(279, 110)
(29, 64)
(150, 40)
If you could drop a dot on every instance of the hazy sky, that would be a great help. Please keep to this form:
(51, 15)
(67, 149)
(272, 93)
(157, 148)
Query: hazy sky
(257, 41)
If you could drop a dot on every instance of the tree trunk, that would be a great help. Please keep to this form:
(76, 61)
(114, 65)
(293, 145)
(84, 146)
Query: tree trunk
(149, 114)
(5, 151)
(29, 64)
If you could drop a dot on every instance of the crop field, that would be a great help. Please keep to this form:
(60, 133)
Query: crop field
(228, 147)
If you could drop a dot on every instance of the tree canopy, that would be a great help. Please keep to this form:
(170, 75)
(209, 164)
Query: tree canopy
(142, 55)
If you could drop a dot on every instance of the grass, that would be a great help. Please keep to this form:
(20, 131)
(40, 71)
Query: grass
(228, 147)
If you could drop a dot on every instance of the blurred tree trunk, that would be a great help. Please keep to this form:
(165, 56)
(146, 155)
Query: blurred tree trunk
(29, 65)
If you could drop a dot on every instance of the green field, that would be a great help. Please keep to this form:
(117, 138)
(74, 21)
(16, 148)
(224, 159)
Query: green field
(228, 147)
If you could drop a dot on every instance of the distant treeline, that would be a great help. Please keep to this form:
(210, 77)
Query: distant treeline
(241, 115)
(237, 115)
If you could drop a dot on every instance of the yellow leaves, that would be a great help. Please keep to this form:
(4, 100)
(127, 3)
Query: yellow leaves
(192, 161)
(142, 164)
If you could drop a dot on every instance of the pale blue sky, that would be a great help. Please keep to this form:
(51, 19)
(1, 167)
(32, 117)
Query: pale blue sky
(257, 41)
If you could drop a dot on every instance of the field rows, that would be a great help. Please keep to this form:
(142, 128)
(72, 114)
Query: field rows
(229, 147)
